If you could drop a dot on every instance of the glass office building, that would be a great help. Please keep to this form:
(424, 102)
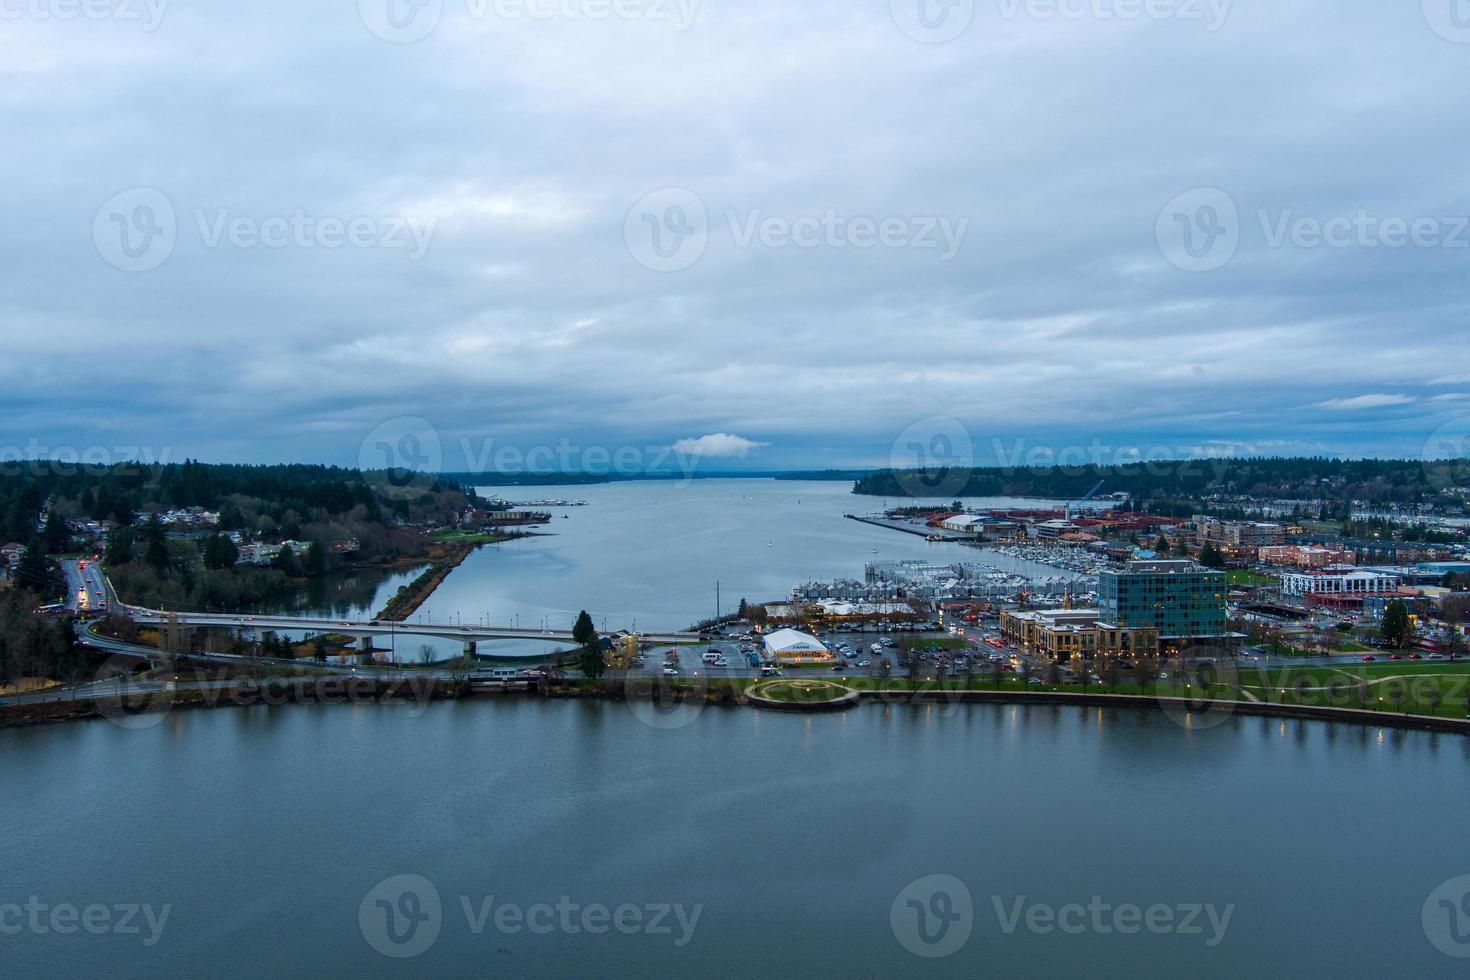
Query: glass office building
(1180, 599)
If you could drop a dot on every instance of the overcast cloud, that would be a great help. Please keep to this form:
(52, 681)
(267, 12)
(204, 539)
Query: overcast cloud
(776, 234)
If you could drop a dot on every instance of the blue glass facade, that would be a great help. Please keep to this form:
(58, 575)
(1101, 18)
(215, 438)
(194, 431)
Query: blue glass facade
(1177, 598)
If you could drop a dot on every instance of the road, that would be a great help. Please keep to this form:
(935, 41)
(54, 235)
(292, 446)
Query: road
(87, 589)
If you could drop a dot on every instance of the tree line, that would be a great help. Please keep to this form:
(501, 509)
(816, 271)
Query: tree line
(1402, 481)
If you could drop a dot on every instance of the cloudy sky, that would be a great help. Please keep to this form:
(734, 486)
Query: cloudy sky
(765, 233)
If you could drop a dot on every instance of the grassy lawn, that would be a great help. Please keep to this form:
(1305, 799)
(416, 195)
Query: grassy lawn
(1249, 578)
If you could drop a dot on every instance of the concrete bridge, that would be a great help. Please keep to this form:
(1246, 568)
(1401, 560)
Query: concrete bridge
(364, 632)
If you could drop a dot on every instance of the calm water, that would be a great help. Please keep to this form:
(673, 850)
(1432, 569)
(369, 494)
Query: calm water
(263, 830)
(651, 552)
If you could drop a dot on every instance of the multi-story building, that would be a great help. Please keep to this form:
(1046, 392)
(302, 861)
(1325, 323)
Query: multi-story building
(1306, 556)
(1180, 599)
(1338, 587)
(1069, 634)
(1244, 535)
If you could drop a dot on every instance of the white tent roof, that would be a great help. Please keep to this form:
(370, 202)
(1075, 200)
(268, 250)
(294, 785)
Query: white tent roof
(793, 641)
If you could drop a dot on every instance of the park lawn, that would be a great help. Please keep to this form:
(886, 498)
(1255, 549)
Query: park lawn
(1249, 578)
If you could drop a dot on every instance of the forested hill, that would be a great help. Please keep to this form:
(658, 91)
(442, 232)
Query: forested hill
(1307, 478)
(118, 492)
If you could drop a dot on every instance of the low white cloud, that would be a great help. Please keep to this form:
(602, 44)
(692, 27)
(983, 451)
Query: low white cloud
(719, 445)
(1361, 402)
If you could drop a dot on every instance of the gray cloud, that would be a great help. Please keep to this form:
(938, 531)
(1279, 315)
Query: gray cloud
(526, 143)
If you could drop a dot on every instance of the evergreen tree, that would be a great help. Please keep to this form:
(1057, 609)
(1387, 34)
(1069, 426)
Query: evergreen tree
(316, 559)
(584, 632)
(56, 534)
(155, 543)
(119, 547)
(1396, 629)
(36, 572)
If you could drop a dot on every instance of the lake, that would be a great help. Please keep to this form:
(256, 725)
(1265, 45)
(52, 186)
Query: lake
(275, 841)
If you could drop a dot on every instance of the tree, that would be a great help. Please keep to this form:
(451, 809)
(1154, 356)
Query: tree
(744, 610)
(220, 552)
(36, 572)
(1210, 556)
(1396, 629)
(1161, 546)
(584, 632)
(286, 562)
(589, 661)
(316, 559)
(155, 542)
(57, 534)
(119, 547)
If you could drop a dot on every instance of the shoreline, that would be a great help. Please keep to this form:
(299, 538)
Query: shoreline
(362, 690)
(413, 595)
